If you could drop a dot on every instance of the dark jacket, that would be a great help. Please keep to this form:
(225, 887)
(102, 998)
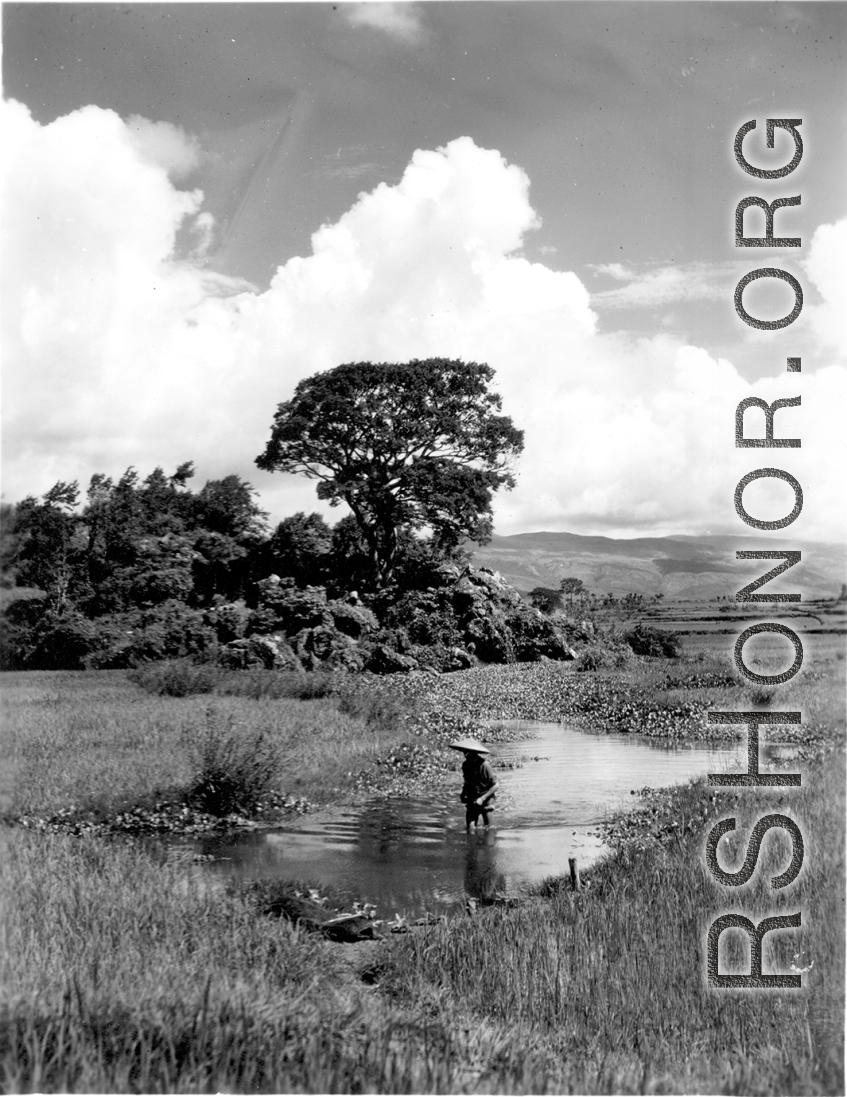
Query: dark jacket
(478, 780)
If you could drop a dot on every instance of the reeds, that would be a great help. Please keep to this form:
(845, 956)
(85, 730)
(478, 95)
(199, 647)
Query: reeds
(234, 772)
(176, 678)
(184, 678)
(223, 1047)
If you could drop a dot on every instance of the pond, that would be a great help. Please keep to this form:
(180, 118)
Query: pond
(413, 856)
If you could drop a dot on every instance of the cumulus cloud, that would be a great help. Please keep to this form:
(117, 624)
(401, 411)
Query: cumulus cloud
(400, 20)
(164, 145)
(826, 270)
(119, 353)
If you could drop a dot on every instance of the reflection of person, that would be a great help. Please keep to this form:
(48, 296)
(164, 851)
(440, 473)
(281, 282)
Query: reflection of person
(482, 881)
(479, 782)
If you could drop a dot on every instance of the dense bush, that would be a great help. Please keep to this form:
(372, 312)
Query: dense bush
(431, 624)
(602, 657)
(171, 630)
(545, 599)
(234, 771)
(647, 640)
(61, 641)
(291, 684)
(149, 571)
(181, 678)
(229, 620)
(123, 578)
(374, 709)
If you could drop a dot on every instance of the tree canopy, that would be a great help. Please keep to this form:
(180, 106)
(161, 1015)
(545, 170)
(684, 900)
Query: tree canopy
(407, 446)
(546, 599)
(140, 556)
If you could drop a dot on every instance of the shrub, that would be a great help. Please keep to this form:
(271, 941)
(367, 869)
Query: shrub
(545, 599)
(62, 641)
(646, 640)
(228, 619)
(442, 658)
(436, 625)
(598, 657)
(235, 771)
(374, 709)
(277, 684)
(182, 678)
(171, 630)
(179, 678)
(590, 659)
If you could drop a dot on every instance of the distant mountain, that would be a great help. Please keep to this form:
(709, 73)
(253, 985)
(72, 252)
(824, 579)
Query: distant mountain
(678, 567)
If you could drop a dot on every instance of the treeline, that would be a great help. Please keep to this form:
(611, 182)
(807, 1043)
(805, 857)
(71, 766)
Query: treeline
(148, 569)
(576, 599)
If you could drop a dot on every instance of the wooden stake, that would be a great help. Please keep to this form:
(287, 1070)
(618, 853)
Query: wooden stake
(572, 865)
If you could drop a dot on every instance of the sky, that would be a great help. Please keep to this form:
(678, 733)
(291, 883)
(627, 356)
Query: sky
(204, 204)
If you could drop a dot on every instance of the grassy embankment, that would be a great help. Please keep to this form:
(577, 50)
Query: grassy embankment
(122, 971)
(94, 748)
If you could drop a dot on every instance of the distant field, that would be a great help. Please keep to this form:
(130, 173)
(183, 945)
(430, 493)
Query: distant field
(710, 632)
(819, 618)
(679, 567)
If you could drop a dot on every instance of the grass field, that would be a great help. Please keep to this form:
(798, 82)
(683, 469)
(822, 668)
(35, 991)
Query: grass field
(123, 971)
(98, 743)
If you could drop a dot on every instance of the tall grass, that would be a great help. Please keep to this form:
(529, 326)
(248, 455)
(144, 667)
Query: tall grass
(122, 971)
(234, 773)
(96, 742)
(184, 678)
(618, 972)
(176, 678)
(294, 1047)
(376, 710)
(125, 970)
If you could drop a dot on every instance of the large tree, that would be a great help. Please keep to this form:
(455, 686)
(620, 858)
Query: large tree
(301, 547)
(407, 446)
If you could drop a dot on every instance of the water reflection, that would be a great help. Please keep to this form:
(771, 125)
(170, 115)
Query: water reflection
(413, 856)
(482, 881)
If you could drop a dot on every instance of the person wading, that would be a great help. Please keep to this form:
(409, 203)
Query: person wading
(479, 782)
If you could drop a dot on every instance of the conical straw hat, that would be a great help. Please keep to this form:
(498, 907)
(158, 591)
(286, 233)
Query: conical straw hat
(469, 745)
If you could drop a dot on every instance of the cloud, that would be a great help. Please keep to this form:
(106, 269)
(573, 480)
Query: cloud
(117, 352)
(664, 285)
(96, 307)
(164, 145)
(401, 20)
(826, 270)
(614, 270)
